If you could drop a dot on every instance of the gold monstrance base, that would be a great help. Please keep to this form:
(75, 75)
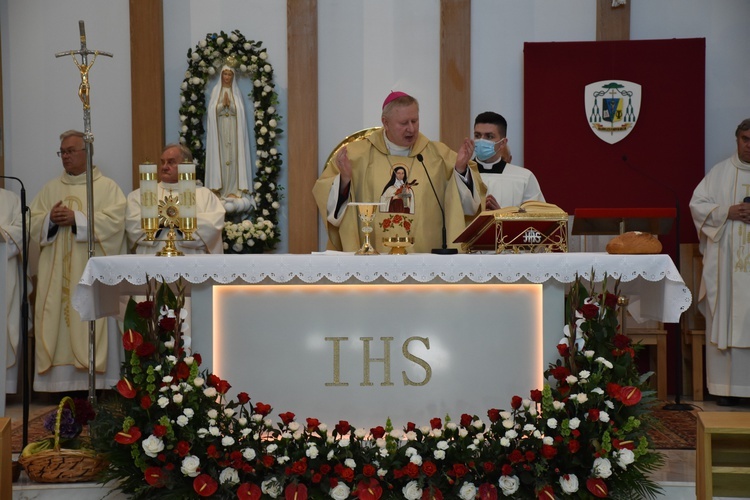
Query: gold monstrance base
(170, 250)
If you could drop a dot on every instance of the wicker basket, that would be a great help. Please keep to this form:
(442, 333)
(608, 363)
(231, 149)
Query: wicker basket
(61, 465)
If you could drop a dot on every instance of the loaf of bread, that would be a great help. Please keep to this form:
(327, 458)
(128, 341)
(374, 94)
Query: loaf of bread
(634, 242)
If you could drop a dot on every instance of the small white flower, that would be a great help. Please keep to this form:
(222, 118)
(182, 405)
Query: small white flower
(214, 431)
(350, 463)
(581, 397)
(584, 374)
(509, 484)
(548, 440)
(571, 379)
(312, 452)
(511, 434)
(272, 447)
(603, 416)
(177, 398)
(416, 460)
(604, 362)
(597, 390)
(162, 402)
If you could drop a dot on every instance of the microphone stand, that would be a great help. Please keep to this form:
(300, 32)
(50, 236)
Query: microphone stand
(677, 405)
(444, 250)
(26, 383)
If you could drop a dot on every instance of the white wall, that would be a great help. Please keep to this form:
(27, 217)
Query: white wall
(367, 48)
(40, 92)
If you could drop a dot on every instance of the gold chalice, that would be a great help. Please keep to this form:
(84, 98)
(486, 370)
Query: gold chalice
(366, 213)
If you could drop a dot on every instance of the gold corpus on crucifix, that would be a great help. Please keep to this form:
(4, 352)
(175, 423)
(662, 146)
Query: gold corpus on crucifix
(83, 88)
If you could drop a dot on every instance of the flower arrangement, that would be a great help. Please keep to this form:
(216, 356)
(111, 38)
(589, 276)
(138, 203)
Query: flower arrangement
(396, 220)
(241, 237)
(170, 433)
(251, 59)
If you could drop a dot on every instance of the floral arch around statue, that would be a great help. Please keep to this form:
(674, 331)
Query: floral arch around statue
(251, 224)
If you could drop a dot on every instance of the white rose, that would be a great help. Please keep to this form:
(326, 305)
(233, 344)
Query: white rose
(349, 462)
(312, 452)
(198, 381)
(248, 454)
(209, 392)
(195, 56)
(229, 476)
(438, 454)
(569, 483)
(227, 441)
(272, 122)
(340, 492)
(412, 491)
(511, 434)
(603, 416)
(581, 397)
(416, 460)
(182, 420)
(344, 443)
(272, 447)
(574, 423)
(177, 398)
(468, 491)
(271, 487)
(220, 41)
(602, 468)
(571, 379)
(504, 442)
(509, 484)
(162, 402)
(190, 465)
(152, 446)
(552, 423)
(212, 413)
(625, 457)
(263, 56)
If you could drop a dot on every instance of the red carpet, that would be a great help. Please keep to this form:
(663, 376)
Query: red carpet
(673, 430)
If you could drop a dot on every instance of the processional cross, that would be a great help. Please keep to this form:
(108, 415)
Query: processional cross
(88, 138)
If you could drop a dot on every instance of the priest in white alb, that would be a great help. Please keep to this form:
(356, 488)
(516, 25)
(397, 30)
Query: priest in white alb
(11, 230)
(59, 225)
(721, 211)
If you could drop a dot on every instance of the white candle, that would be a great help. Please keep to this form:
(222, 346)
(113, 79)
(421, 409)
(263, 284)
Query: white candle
(186, 186)
(149, 191)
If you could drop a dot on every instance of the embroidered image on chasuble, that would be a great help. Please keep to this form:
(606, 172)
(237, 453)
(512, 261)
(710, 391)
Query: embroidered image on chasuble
(61, 336)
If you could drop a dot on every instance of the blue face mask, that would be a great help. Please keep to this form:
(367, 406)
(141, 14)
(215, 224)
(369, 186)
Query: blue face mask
(484, 149)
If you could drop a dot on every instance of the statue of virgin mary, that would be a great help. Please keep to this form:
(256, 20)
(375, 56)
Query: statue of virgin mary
(228, 155)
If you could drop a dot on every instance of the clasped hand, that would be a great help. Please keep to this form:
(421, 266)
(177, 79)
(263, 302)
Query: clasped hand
(62, 215)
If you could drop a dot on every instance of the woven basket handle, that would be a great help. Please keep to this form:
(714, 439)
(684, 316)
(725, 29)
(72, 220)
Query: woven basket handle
(69, 401)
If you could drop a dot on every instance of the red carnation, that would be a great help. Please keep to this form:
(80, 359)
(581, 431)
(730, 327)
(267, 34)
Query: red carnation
(548, 451)
(506, 470)
(299, 467)
(369, 470)
(574, 446)
(205, 486)
(411, 470)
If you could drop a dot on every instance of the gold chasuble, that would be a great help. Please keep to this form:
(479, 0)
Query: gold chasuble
(373, 176)
(61, 336)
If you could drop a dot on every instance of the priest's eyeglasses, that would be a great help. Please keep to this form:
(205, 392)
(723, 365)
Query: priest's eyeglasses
(68, 152)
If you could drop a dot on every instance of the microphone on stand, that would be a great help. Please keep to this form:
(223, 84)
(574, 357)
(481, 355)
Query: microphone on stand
(24, 310)
(444, 250)
(677, 406)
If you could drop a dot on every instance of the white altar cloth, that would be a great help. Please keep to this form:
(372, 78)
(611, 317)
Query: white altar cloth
(655, 287)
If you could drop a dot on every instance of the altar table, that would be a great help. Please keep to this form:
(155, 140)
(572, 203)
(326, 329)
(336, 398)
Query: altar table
(509, 345)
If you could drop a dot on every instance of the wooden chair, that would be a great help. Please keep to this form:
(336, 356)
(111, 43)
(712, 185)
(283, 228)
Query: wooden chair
(693, 322)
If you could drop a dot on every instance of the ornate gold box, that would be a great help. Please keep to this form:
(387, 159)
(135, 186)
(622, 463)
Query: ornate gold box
(534, 227)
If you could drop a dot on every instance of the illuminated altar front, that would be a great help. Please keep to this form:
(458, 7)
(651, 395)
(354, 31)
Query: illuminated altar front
(337, 336)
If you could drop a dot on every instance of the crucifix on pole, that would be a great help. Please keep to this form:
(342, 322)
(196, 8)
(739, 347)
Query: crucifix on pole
(84, 66)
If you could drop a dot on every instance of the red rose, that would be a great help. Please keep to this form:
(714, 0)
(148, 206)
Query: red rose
(131, 340)
(145, 309)
(262, 409)
(436, 423)
(377, 432)
(131, 436)
(249, 491)
(197, 358)
(466, 420)
(181, 371)
(530, 456)
(317, 478)
(287, 418)
(154, 476)
(312, 423)
(299, 467)
(613, 390)
(205, 486)
(488, 467)
(506, 470)
(560, 372)
(516, 402)
(493, 414)
(167, 324)
(548, 451)
(159, 430)
(563, 350)
(369, 470)
(212, 451)
(610, 300)
(325, 469)
(536, 395)
(412, 470)
(597, 487)
(515, 456)
(574, 446)
(243, 398)
(411, 426)
(594, 415)
(432, 493)
(630, 395)
(146, 349)
(589, 311)
(397, 219)
(342, 427)
(368, 489)
(146, 402)
(126, 388)
(295, 492)
(429, 468)
(267, 460)
(183, 448)
(386, 223)
(460, 470)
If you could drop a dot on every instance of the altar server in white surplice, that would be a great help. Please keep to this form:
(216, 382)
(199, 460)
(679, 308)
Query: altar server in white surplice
(507, 185)
(208, 208)
(60, 225)
(721, 211)
(12, 229)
